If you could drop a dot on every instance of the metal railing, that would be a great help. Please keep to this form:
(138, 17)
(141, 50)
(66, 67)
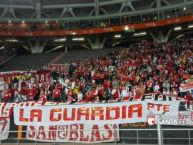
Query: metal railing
(70, 23)
(171, 136)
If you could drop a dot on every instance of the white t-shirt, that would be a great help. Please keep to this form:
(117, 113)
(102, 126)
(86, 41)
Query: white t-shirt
(2, 85)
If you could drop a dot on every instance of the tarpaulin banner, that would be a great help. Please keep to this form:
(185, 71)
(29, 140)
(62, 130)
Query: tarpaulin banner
(74, 133)
(4, 128)
(187, 88)
(159, 111)
(59, 68)
(81, 114)
(5, 115)
(184, 118)
(122, 112)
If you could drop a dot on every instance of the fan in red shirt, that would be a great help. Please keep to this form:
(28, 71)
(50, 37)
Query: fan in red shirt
(115, 93)
(43, 96)
(7, 95)
(91, 94)
(56, 94)
(70, 95)
(189, 99)
(59, 86)
(12, 91)
(107, 84)
(32, 93)
(101, 92)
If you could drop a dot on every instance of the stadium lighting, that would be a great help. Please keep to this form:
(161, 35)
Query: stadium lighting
(190, 26)
(140, 34)
(117, 36)
(2, 47)
(177, 28)
(58, 47)
(12, 40)
(179, 36)
(60, 40)
(126, 28)
(78, 39)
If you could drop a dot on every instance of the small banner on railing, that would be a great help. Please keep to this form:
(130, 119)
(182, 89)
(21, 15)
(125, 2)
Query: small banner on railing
(5, 115)
(74, 133)
(4, 128)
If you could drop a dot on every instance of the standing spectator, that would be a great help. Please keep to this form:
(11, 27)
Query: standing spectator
(57, 95)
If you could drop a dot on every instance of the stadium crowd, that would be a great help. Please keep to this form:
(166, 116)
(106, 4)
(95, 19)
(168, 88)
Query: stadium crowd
(147, 67)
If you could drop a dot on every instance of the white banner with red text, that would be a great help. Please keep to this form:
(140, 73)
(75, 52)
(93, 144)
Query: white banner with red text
(119, 113)
(5, 114)
(187, 88)
(63, 68)
(184, 118)
(4, 128)
(74, 133)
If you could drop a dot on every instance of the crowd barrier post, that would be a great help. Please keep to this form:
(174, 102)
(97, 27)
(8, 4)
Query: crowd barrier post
(189, 137)
(17, 141)
(137, 137)
(36, 137)
(159, 130)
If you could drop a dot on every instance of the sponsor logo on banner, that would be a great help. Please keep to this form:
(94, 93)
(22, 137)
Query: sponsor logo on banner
(74, 133)
(151, 119)
(124, 112)
(183, 119)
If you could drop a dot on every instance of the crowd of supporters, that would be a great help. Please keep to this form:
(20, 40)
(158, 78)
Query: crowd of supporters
(147, 67)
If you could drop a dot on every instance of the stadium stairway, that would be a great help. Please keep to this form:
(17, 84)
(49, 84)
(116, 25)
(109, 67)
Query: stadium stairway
(55, 60)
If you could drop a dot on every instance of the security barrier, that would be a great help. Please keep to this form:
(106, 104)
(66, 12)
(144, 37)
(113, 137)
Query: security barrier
(181, 136)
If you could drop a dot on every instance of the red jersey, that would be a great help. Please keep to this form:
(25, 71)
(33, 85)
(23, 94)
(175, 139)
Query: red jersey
(7, 95)
(56, 93)
(43, 97)
(32, 93)
(107, 85)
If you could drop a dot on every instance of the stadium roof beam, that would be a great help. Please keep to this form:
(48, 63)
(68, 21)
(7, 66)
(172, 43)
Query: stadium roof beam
(166, 2)
(160, 37)
(68, 5)
(91, 16)
(158, 3)
(115, 2)
(97, 7)
(37, 47)
(67, 10)
(17, 6)
(38, 9)
(10, 11)
(97, 44)
(106, 3)
(125, 5)
(104, 11)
